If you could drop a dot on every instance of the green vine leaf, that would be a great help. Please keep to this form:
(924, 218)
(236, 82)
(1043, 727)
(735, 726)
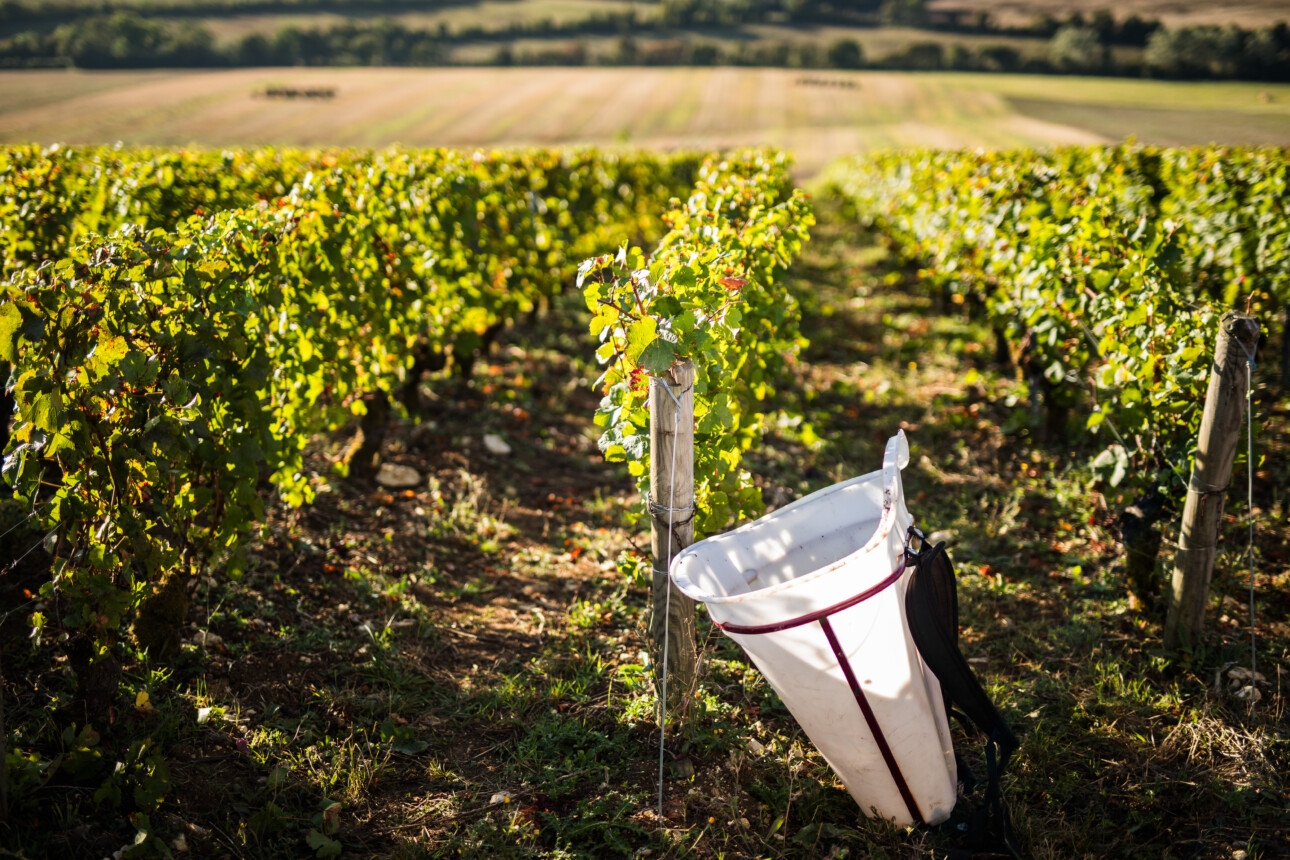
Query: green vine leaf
(713, 280)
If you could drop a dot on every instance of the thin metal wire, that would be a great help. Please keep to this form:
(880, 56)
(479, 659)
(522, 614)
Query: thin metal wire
(664, 509)
(15, 526)
(14, 564)
(20, 522)
(667, 600)
(4, 616)
(1249, 465)
(1249, 457)
(1106, 419)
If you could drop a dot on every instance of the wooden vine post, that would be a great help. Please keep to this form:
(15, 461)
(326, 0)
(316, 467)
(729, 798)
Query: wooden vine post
(671, 502)
(1220, 430)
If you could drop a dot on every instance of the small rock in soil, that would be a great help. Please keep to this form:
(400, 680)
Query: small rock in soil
(207, 639)
(681, 767)
(1242, 674)
(393, 476)
(1249, 694)
(496, 445)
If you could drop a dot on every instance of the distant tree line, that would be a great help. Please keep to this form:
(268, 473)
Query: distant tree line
(53, 11)
(120, 40)
(1077, 46)
(676, 12)
(671, 13)
(1201, 52)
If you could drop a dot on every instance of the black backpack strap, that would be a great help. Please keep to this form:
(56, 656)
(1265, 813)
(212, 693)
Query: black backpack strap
(932, 609)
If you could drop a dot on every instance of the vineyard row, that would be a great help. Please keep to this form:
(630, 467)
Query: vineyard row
(1103, 270)
(176, 326)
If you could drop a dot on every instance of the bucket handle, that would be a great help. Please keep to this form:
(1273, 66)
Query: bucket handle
(895, 458)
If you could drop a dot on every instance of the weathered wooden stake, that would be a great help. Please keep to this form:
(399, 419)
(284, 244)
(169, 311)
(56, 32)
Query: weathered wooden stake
(1220, 428)
(671, 484)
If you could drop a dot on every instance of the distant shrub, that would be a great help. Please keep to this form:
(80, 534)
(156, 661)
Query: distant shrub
(1218, 52)
(845, 54)
(1077, 49)
(920, 56)
(999, 58)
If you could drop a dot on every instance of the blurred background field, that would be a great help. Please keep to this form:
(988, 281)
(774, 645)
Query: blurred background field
(820, 78)
(816, 114)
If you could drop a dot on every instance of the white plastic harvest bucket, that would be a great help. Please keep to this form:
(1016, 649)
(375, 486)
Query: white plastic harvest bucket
(815, 593)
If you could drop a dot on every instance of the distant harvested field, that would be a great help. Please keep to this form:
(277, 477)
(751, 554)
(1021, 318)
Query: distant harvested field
(817, 115)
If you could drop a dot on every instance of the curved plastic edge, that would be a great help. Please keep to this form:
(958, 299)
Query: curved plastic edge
(820, 615)
(895, 458)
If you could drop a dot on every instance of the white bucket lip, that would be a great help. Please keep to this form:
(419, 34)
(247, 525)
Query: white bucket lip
(818, 615)
(887, 521)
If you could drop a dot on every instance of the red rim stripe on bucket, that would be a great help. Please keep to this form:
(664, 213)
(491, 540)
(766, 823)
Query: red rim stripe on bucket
(872, 719)
(818, 614)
